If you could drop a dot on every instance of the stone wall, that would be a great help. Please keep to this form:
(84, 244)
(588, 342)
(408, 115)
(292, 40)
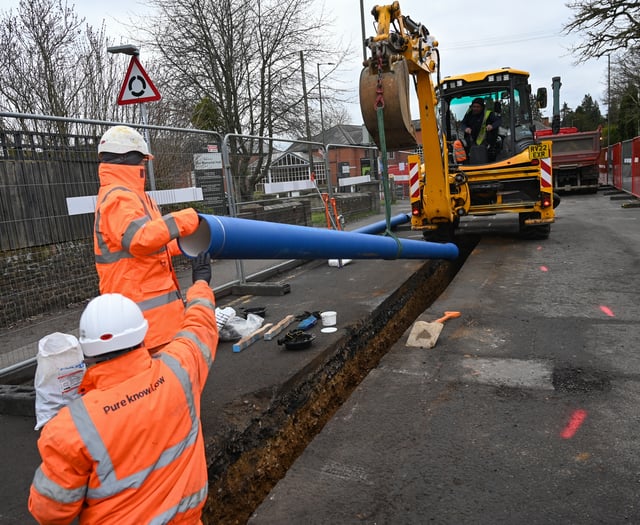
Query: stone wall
(45, 278)
(291, 212)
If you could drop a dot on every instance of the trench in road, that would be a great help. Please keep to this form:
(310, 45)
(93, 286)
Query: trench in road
(244, 467)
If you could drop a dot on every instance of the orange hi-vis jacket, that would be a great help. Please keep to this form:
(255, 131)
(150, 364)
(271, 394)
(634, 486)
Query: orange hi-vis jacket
(130, 450)
(459, 153)
(133, 246)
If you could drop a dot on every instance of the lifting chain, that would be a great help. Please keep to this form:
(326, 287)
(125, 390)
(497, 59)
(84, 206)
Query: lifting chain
(379, 107)
(379, 90)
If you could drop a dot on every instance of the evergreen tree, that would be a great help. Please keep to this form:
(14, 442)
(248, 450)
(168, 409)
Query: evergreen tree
(566, 116)
(587, 115)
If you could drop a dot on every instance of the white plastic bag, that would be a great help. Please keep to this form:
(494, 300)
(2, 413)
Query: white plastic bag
(60, 369)
(238, 327)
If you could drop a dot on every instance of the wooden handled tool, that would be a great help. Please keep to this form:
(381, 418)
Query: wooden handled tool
(277, 328)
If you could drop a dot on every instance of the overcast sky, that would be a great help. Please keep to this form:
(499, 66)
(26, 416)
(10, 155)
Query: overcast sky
(472, 36)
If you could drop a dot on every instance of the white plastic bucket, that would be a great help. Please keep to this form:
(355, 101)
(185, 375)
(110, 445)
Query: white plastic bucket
(328, 318)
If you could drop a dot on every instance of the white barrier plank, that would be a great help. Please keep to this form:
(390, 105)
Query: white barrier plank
(350, 181)
(80, 205)
(283, 187)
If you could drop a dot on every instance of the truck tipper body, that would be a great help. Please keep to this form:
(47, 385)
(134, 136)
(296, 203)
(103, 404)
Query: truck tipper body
(575, 158)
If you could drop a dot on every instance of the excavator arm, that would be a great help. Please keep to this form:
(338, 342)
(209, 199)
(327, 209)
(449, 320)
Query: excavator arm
(402, 50)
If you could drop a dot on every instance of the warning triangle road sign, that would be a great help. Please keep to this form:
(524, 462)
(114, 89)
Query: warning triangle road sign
(137, 86)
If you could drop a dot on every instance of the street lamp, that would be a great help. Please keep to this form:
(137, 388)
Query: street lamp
(306, 115)
(134, 51)
(127, 49)
(324, 142)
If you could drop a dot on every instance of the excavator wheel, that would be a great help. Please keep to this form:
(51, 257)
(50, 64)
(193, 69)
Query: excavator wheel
(444, 233)
(533, 232)
(398, 129)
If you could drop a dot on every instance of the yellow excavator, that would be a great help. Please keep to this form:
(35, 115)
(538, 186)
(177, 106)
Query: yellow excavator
(452, 173)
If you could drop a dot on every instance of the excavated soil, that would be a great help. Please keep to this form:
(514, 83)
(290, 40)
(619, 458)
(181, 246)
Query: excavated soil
(244, 465)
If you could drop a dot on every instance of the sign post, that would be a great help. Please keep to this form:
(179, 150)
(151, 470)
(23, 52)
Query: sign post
(137, 88)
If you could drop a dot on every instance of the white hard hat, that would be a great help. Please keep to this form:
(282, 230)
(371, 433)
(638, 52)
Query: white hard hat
(123, 139)
(111, 322)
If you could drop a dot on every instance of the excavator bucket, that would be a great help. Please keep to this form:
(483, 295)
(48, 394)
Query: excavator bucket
(398, 129)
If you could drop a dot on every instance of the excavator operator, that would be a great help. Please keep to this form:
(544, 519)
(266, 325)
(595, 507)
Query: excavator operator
(481, 132)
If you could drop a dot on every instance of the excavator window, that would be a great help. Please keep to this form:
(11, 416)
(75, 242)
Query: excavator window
(458, 108)
(509, 98)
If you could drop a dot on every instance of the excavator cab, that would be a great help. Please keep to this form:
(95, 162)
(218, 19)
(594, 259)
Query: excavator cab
(506, 94)
(510, 173)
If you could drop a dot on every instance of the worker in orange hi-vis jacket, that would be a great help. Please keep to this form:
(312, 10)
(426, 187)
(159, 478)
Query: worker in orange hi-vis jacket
(133, 241)
(130, 449)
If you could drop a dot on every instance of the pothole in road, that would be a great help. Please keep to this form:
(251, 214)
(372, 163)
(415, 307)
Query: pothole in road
(244, 466)
(579, 379)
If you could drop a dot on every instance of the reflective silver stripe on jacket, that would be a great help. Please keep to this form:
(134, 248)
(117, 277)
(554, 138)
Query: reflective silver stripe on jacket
(160, 300)
(106, 256)
(110, 485)
(187, 503)
(53, 491)
(132, 229)
(172, 225)
(204, 349)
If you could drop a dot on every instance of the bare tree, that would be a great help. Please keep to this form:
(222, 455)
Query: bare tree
(103, 76)
(625, 69)
(624, 93)
(608, 27)
(54, 64)
(237, 63)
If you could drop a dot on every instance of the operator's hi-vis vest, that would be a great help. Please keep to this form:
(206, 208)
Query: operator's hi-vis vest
(483, 127)
(131, 450)
(133, 245)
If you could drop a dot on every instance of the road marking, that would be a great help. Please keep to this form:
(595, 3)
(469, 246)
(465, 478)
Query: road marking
(607, 311)
(575, 422)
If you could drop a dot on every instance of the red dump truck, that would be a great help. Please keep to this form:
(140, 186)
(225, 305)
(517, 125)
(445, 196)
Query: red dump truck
(574, 154)
(574, 158)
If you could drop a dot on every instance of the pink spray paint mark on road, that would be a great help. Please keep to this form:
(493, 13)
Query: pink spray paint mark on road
(607, 311)
(544, 269)
(577, 418)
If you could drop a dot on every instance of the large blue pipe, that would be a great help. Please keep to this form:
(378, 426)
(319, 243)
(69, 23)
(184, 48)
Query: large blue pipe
(233, 238)
(380, 226)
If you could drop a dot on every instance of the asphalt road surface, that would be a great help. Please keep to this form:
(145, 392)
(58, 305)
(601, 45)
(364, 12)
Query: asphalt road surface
(525, 411)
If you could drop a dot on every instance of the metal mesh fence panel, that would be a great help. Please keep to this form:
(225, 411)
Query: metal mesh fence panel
(48, 184)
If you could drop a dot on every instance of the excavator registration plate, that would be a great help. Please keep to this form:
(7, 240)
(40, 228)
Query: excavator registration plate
(539, 151)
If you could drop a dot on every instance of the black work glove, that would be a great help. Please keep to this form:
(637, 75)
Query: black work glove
(201, 267)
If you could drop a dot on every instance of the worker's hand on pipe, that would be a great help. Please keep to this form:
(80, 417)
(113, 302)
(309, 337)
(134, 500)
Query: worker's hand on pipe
(201, 267)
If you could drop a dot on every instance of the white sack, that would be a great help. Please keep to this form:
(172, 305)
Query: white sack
(223, 315)
(60, 369)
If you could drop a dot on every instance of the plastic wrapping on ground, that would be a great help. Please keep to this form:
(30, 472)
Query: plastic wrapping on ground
(232, 327)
